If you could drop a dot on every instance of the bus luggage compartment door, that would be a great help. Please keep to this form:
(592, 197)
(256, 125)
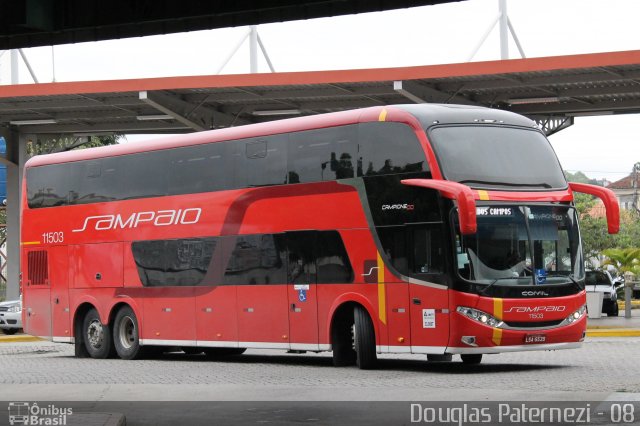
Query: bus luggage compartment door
(37, 293)
(97, 265)
(60, 315)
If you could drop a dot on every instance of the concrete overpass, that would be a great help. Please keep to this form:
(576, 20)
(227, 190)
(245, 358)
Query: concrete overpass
(30, 23)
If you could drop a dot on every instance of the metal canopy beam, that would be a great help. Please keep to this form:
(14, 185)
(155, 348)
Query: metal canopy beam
(423, 93)
(197, 117)
(578, 108)
(552, 124)
(174, 108)
(401, 87)
(556, 86)
(163, 126)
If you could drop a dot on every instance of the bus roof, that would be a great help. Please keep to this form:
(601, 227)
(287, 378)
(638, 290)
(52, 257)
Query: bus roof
(426, 114)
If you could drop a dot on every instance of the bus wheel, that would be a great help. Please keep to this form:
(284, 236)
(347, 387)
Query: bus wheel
(364, 339)
(218, 352)
(97, 336)
(126, 335)
(471, 358)
(342, 342)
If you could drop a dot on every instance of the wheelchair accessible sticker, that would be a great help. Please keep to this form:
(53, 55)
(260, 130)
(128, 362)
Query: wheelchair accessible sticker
(541, 276)
(302, 291)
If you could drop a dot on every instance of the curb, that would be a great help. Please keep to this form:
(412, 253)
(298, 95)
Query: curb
(613, 332)
(605, 327)
(19, 338)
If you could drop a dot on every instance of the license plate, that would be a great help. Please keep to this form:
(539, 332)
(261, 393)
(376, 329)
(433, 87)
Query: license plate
(535, 338)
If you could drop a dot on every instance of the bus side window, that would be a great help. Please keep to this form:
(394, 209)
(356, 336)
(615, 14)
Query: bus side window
(200, 168)
(174, 262)
(428, 251)
(301, 267)
(394, 244)
(390, 148)
(323, 154)
(331, 259)
(264, 162)
(414, 250)
(255, 259)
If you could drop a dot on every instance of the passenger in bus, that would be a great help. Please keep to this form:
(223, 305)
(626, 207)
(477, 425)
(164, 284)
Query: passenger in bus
(342, 167)
(517, 264)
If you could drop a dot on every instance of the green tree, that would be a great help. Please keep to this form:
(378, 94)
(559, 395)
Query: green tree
(624, 260)
(577, 177)
(593, 228)
(595, 238)
(63, 143)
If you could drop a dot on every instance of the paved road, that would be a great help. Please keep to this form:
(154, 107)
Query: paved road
(278, 388)
(48, 371)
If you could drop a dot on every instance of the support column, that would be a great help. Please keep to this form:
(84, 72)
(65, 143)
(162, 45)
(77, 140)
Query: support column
(16, 157)
(253, 49)
(504, 30)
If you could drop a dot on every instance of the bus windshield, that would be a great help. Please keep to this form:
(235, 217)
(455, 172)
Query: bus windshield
(521, 245)
(492, 156)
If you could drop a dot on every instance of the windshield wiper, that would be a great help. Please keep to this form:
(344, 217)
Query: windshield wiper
(573, 280)
(569, 276)
(486, 182)
(484, 290)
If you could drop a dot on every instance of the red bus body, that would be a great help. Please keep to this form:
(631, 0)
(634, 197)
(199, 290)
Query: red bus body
(80, 256)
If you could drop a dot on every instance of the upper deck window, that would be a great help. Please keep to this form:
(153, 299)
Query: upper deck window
(317, 155)
(390, 148)
(492, 156)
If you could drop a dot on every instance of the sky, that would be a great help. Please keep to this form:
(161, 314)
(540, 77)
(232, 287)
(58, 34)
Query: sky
(602, 147)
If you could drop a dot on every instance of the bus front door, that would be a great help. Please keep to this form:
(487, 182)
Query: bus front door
(429, 319)
(303, 316)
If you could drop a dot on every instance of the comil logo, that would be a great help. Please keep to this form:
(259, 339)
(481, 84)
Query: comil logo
(25, 413)
(535, 293)
(156, 218)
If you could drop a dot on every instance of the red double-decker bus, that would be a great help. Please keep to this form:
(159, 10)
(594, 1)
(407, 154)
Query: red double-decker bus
(434, 229)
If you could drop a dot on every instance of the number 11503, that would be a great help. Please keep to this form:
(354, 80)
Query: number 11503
(52, 237)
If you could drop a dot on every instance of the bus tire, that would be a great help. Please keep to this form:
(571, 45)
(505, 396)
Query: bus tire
(364, 339)
(96, 336)
(126, 336)
(342, 343)
(471, 359)
(221, 352)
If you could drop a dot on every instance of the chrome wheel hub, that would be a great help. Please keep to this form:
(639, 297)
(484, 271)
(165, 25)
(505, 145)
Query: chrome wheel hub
(127, 332)
(95, 334)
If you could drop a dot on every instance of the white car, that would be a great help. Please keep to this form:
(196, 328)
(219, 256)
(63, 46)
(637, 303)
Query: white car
(601, 281)
(11, 316)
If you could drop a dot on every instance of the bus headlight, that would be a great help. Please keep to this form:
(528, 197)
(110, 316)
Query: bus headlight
(576, 315)
(480, 316)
